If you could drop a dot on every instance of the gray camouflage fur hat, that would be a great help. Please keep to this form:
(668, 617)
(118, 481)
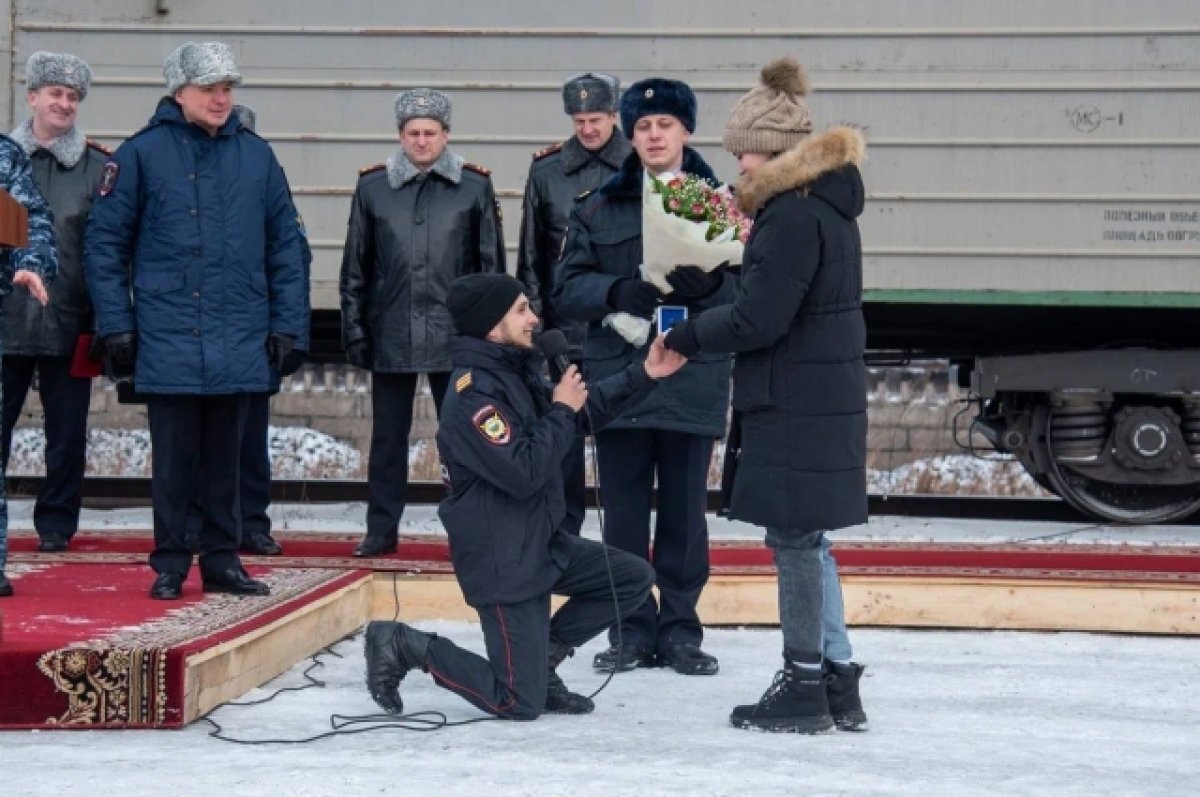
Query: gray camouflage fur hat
(591, 92)
(200, 64)
(423, 104)
(57, 69)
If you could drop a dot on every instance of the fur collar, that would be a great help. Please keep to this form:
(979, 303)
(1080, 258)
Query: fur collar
(814, 156)
(67, 149)
(575, 156)
(400, 170)
(628, 181)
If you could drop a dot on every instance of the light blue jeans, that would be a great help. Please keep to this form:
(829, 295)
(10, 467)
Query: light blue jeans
(811, 612)
(836, 641)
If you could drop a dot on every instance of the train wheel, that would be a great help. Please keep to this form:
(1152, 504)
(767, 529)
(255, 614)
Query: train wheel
(1068, 435)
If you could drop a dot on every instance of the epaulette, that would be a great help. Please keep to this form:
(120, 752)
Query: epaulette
(550, 150)
(372, 168)
(475, 167)
(584, 195)
(463, 382)
(96, 145)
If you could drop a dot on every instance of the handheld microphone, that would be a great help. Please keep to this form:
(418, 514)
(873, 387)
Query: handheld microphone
(553, 344)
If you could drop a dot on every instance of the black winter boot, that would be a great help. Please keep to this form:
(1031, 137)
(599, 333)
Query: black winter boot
(392, 649)
(841, 688)
(794, 703)
(560, 699)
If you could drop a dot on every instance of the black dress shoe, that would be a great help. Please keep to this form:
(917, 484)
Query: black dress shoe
(261, 545)
(6, 589)
(235, 581)
(167, 587)
(687, 658)
(622, 659)
(376, 545)
(53, 543)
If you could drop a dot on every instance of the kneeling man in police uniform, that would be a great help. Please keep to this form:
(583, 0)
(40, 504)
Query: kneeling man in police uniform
(504, 433)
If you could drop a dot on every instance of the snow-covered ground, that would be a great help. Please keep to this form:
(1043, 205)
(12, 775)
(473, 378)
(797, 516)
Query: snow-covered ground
(950, 714)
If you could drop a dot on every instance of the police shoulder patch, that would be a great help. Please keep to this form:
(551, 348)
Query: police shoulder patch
(463, 382)
(96, 145)
(550, 150)
(475, 167)
(108, 180)
(491, 423)
(374, 167)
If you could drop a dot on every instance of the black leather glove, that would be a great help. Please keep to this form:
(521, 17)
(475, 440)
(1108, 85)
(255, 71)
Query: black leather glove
(120, 355)
(634, 296)
(359, 353)
(682, 339)
(292, 362)
(279, 346)
(693, 282)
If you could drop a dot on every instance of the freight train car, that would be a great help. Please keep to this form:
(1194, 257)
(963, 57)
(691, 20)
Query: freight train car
(1034, 210)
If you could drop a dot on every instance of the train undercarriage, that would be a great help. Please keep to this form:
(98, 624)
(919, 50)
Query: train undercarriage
(1116, 433)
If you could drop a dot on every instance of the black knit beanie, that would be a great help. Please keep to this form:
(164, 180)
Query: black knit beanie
(477, 302)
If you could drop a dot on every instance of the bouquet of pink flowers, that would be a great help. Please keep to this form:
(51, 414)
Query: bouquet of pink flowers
(686, 220)
(695, 199)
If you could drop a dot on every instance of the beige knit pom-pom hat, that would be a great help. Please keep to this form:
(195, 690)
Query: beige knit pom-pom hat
(774, 116)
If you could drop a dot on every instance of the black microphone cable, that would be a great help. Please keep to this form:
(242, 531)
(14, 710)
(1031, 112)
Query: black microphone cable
(553, 344)
(423, 721)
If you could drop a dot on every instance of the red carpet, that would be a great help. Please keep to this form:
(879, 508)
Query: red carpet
(430, 554)
(83, 646)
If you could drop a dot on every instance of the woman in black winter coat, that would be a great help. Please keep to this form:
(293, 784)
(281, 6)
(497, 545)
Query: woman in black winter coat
(799, 380)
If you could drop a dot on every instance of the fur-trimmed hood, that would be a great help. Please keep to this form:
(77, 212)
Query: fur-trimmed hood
(67, 149)
(815, 157)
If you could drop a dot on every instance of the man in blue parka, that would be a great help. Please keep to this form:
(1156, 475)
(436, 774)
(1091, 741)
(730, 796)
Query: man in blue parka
(196, 269)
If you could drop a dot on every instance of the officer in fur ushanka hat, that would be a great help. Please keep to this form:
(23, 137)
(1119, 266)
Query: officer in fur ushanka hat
(557, 175)
(38, 341)
(670, 435)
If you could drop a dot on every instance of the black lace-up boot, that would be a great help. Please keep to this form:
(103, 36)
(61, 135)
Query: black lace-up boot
(841, 688)
(560, 699)
(794, 703)
(392, 649)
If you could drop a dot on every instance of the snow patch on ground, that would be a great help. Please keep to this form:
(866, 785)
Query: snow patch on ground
(296, 453)
(302, 453)
(956, 474)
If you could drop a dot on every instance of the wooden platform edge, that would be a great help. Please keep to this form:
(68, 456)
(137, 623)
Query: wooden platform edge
(229, 670)
(887, 601)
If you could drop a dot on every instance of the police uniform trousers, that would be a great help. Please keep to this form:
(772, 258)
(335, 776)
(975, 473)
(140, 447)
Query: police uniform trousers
(629, 459)
(255, 477)
(511, 681)
(392, 397)
(197, 445)
(256, 467)
(65, 401)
